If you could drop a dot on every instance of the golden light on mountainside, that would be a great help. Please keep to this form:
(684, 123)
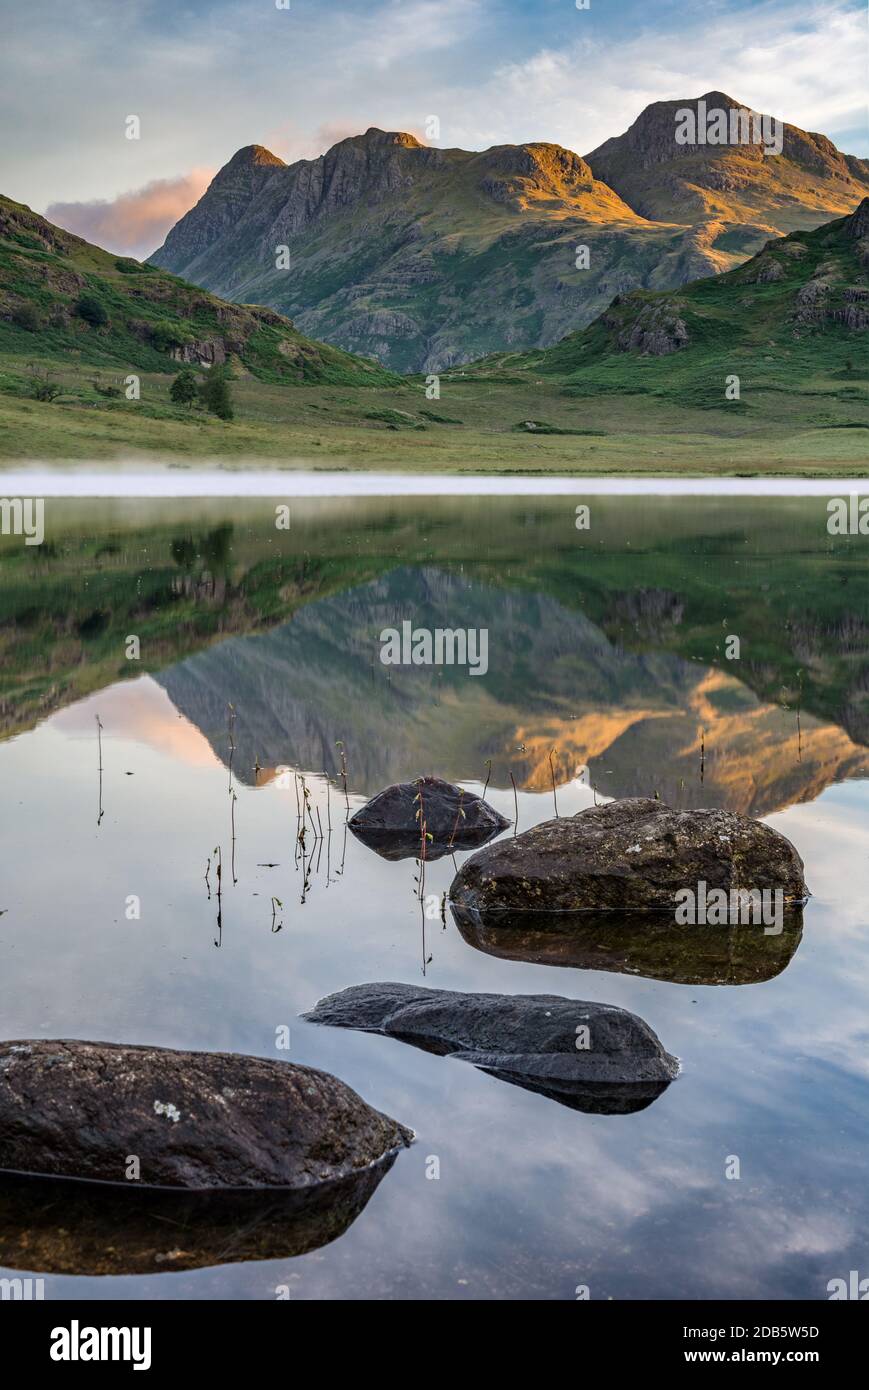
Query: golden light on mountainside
(753, 756)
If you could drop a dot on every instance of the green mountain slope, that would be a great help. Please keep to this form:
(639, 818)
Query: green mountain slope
(62, 298)
(427, 258)
(792, 320)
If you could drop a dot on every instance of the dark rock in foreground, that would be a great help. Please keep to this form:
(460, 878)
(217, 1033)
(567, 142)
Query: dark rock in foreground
(391, 822)
(195, 1120)
(530, 1040)
(51, 1226)
(651, 944)
(634, 854)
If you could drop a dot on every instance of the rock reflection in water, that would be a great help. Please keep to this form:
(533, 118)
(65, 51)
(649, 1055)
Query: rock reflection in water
(639, 943)
(395, 845)
(53, 1226)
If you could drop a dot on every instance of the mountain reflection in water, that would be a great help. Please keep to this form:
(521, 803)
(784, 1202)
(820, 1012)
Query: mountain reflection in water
(638, 723)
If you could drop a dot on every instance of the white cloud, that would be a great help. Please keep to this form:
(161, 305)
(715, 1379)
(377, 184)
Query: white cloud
(403, 29)
(809, 73)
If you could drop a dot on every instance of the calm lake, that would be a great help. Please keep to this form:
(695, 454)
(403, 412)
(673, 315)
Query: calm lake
(613, 672)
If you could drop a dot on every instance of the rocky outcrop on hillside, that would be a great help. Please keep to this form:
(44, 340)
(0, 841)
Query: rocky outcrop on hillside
(830, 295)
(662, 178)
(650, 329)
(517, 174)
(232, 190)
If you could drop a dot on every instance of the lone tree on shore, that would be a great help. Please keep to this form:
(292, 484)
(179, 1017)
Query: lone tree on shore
(185, 388)
(214, 394)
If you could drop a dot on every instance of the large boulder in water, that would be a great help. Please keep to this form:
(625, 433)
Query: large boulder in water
(195, 1120)
(536, 1041)
(392, 821)
(650, 944)
(635, 854)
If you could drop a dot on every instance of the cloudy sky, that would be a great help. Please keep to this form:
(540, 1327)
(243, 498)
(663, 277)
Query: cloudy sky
(208, 76)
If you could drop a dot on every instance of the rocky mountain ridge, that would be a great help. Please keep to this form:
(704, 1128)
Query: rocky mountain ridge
(428, 258)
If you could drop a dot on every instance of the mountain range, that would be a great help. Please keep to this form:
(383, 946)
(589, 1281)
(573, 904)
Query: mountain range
(426, 259)
(786, 325)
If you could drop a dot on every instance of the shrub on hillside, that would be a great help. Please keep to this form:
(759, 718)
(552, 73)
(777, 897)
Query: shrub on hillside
(110, 392)
(27, 316)
(42, 388)
(168, 334)
(92, 310)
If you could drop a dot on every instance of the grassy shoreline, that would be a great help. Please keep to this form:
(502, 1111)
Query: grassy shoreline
(32, 431)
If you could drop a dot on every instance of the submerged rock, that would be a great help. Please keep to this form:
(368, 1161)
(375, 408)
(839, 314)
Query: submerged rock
(651, 944)
(52, 1226)
(592, 1057)
(194, 1120)
(391, 822)
(635, 854)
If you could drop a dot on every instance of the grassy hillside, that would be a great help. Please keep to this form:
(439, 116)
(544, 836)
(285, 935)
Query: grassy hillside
(791, 324)
(64, 299)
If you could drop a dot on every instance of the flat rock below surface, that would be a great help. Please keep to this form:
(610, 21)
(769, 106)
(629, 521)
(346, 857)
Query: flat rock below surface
(534, 1041)
(391, 822)
(634, 854)
(195, 1120)
(650, 944)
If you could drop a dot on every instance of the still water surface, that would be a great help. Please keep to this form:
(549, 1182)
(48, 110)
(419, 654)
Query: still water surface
(607, 647)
